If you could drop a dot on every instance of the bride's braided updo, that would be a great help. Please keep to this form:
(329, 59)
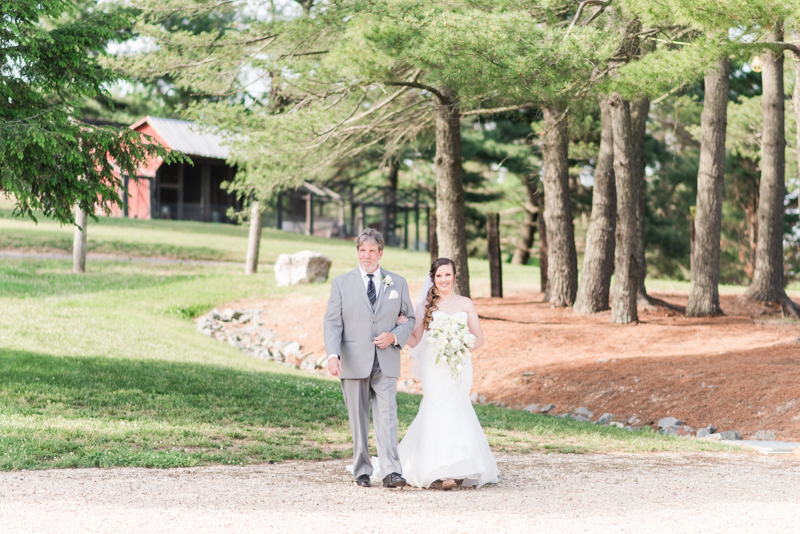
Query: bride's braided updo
(433, 294)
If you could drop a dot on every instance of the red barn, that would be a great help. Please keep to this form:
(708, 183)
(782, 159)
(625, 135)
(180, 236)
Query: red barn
(180, 191)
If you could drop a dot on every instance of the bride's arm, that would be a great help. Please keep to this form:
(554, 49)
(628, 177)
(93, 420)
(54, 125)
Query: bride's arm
(474, 324)
(416, 336)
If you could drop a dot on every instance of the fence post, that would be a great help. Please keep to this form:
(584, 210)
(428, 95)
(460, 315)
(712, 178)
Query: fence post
(495, 260)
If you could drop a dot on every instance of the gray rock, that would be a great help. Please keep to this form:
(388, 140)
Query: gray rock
(669, 421)
(578, 418)
(631, 429)
(604, 419)
(616, 424)
(291, 348)
(529, 373)
(482, 399)
(703, 432)
(711, 428)
(584, 411)
(563, 416)
(637, 380)
(764, 435)
(531, 408)
(474, 397)
(733, 435)
(547, 408)
(304, 267)
(501, 404)
(602, 360)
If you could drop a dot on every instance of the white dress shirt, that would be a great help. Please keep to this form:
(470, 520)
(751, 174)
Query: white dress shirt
(378, 281)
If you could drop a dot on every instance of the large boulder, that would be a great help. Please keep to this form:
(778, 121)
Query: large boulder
(304, 267)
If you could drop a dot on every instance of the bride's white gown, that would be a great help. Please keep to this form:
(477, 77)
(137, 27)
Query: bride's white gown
(446, 440)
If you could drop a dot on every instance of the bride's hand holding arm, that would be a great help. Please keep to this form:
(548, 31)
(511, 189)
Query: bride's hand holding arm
(474, 325)
(416, 335)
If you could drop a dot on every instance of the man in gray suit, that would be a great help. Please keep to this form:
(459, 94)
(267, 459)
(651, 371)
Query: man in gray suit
(363, 342)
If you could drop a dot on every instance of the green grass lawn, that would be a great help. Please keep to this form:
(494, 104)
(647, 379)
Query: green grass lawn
(106, 368)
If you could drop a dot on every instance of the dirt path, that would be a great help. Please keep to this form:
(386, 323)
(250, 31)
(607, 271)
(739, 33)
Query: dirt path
(738, 372)
(537, 493)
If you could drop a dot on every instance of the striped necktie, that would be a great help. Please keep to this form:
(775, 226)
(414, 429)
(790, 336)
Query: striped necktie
(371, 290)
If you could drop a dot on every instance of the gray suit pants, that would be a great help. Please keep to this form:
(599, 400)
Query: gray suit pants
(382, 390)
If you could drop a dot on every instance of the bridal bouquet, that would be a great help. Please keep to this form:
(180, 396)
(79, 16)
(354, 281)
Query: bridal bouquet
(452, 340)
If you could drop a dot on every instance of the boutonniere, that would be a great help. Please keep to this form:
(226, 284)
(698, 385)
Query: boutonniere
(387, 280)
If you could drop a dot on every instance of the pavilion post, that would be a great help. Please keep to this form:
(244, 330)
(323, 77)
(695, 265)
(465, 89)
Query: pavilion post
(279, 212)
(405, 228)
(180, 191)
(310, 214)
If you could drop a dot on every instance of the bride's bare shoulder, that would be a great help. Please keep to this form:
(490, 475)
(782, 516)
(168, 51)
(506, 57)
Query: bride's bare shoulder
(465, 303)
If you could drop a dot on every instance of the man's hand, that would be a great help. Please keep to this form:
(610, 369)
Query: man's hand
(384, 340)
(401, 319)
(334, 366)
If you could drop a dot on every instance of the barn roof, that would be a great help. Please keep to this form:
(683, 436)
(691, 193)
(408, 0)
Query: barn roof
(186, 137)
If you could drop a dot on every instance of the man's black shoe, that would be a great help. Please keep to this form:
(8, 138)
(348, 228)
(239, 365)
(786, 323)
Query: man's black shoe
(394, 480)
(363, 481)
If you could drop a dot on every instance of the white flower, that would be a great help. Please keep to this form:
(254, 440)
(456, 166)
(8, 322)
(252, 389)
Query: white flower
(388, 281)
(459, 367)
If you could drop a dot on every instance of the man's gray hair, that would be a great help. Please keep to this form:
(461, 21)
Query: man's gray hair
(370, 235)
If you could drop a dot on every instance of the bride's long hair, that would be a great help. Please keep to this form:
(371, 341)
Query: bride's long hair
(433, 294)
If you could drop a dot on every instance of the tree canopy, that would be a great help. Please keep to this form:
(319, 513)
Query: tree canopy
(50, 159)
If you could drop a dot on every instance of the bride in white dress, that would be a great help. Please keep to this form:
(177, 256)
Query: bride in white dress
(445, 441)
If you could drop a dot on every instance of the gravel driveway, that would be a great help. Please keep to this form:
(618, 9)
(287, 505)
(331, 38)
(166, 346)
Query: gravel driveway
(551, 493)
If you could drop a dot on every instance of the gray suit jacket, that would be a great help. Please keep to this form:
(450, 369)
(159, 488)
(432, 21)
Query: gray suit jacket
(351, 324)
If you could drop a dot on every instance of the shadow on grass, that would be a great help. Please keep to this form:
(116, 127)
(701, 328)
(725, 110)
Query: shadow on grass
(31, 384)
(96, 411)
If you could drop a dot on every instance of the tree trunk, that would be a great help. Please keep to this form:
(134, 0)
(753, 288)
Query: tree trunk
(522, 252)
(544, 287)
(562, 259)
(598, 261)
(254, 243)
(79, 242)
(767, 285)
(640, 109)
(450, 219)
(433, 243)
(494, 253)
(796, 98)
(704, 289)
(626, 267)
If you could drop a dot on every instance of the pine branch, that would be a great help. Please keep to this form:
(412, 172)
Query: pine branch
(784, 46)
(580, 12)
(443, 99)
(491, 111)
